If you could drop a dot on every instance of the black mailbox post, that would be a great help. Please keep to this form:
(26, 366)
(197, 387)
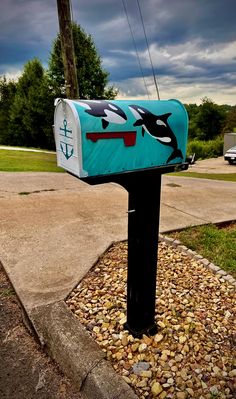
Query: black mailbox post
(144, 189)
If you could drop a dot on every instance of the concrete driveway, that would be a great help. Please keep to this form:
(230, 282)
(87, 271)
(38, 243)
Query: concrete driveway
(54, 227)
(212, 165)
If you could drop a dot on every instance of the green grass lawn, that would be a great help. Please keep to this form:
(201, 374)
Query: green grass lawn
(216, 244)
(211, 176)
(22, 161)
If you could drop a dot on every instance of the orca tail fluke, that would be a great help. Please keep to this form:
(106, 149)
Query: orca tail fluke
(175, 154)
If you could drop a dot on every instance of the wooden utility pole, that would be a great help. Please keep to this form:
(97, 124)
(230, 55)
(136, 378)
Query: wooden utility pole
(67, 47)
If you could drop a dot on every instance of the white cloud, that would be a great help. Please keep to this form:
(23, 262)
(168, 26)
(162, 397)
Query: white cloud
(185, 72)
(171, 87)
(191, 55)
(13, 73)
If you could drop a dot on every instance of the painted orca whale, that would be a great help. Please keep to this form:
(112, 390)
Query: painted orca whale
(109, 112)
(157, 127)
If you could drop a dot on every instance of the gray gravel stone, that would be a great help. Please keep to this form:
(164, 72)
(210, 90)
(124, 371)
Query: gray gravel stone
(183, 248)
(140, 366)
(222, 273)
(198, 257)
(213, 267)
(176, 243)
(214, 390)
(229, 278)
(168, 240)
(192, 253)
(205, 262)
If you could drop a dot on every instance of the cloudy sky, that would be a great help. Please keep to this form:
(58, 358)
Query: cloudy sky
(192, 43)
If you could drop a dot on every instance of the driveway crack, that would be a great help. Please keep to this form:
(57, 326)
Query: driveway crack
(186, 213)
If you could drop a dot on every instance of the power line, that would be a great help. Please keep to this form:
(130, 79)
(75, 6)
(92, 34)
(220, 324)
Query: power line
(147, 44)
(71, 11)
(135, 47)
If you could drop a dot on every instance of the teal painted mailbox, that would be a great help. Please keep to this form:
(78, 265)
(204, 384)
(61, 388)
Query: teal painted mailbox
(98, 137)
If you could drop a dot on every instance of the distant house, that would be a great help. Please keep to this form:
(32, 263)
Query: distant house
(229, 141)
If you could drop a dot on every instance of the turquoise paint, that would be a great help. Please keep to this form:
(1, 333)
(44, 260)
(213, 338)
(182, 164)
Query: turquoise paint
(110, 156)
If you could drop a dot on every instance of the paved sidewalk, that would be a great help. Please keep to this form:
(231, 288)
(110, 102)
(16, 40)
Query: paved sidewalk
(50, 239)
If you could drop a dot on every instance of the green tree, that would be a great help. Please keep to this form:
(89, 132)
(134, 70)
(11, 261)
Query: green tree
(210, 119)
(230, 122)
(193, 130)
(31, 114)
(7, 95)
(92, 78)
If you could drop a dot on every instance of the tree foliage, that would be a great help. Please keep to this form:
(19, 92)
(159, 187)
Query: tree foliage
(230, 122)
(210, 119)
(26, 106)
(192, 110)
(207, 120)
(92, 78)
(7, 95)
(31, 114)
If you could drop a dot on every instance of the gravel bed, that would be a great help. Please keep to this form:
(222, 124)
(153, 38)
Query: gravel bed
(193, 353)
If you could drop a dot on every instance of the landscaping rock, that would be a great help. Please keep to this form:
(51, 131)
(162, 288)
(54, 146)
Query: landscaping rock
(192, 353)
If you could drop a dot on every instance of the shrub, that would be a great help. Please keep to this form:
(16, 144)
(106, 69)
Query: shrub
(206, 149)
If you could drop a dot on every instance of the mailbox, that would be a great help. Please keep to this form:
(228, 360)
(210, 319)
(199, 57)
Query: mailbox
(102, 141)
(103, 137)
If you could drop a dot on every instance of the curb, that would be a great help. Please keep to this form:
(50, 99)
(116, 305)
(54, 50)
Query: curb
(77, 354)
(194, 255)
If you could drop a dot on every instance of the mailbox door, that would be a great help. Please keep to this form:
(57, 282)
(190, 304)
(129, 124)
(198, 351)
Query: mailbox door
(67, 132)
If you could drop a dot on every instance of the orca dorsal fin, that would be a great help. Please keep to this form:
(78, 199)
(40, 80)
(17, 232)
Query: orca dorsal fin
(139, 122)
(164, 117)
(104, 123)
(90, 112)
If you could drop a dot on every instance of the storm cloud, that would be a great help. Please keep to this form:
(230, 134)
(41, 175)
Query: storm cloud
(192, 43)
